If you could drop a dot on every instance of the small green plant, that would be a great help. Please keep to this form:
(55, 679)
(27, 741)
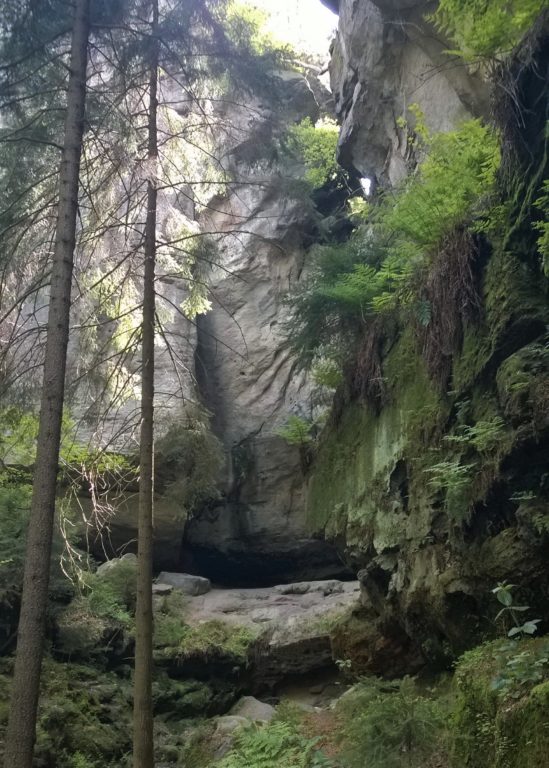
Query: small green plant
(454, 479)
(296, 431)
(377, 270)
(326, 373)
(520, 671)
(504, 595)
(484, 436)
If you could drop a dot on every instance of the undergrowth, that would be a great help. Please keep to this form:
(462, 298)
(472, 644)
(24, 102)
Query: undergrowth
(392, 725)
(278, 744)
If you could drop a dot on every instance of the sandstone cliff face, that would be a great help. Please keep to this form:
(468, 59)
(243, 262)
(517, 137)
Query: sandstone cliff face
(257, 533)
(233, 359)
(429, 554)
(385, 57)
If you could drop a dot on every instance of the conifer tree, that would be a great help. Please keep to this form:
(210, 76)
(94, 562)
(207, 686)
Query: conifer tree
(143, 744)
(21, 730)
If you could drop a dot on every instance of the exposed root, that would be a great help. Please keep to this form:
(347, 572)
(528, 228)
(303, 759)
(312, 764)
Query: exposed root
(452, 292)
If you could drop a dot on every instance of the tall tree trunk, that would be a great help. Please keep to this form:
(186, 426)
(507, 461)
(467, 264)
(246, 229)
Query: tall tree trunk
(143, 743)
(21, 731)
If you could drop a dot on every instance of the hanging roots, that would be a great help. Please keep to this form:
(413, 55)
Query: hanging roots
(364, 376)
(452, 293)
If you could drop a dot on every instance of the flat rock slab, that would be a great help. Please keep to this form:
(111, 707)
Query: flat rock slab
(186, 583)
(286, 614)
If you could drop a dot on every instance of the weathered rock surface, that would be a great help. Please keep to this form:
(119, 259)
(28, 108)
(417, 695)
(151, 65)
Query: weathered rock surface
(253, 710)
(387, 56)
(294, 627)
(248, 378)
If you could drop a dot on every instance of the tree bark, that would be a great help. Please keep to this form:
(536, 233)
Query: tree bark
(21, 731)
(143, 741)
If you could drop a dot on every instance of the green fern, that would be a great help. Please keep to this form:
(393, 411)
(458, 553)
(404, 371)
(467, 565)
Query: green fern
(277, 744)
(486, 28)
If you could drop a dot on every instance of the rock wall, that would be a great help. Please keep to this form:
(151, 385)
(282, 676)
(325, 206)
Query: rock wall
(233, 359)
(429, 551)
(257, 534)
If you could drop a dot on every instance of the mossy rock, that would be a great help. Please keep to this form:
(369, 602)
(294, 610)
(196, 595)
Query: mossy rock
(523, 385)
(351, 490)
(85, 714)
(516, 313)
(503, 726)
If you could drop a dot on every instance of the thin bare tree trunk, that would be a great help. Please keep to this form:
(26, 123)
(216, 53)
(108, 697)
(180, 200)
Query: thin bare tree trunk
(21, 731)
(143, 742)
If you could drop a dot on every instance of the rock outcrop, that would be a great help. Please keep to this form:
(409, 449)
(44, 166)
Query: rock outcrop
(293, 624)
(429, 551)
(387, 56)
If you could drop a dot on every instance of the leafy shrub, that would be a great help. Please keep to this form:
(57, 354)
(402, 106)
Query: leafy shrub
(519, 670)
(457, 173)
(486, 28)
(326, 372)
(324, 315)
(316, 146)
(377, 270)
(391, 725)
(296, 431)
